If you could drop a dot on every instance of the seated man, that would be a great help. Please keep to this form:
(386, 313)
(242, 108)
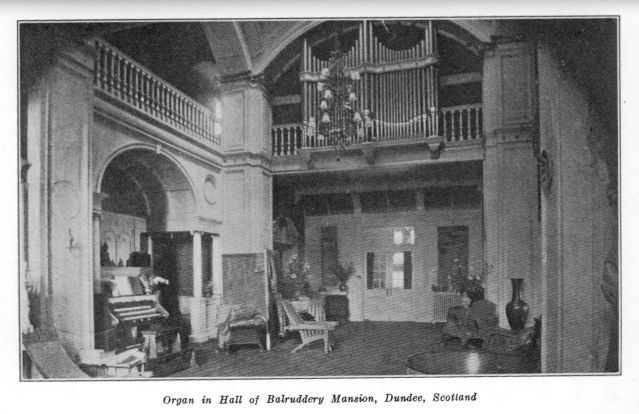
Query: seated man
(471, 321)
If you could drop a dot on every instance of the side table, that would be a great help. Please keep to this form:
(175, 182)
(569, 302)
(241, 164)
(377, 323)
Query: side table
(337, 308)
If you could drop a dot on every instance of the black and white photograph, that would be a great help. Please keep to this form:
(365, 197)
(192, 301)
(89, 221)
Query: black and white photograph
(232, 198)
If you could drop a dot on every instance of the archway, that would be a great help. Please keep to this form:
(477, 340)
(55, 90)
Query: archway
(147, 202)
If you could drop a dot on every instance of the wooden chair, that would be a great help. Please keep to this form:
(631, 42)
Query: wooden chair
(48, 356)
(310, 331)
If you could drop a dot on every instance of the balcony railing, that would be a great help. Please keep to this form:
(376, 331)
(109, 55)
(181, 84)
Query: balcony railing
(126, 80)
(455, 124)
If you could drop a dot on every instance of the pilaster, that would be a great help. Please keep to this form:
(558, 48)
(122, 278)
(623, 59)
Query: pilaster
(59, 142)
(248, 186)
(510, 181)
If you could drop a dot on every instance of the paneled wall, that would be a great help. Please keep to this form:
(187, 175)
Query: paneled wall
(354, 230)
(122, 234)
(244, 281)
(511, 207)
(579, 225)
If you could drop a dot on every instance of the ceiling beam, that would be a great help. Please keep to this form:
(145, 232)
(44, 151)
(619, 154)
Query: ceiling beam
(244, 45)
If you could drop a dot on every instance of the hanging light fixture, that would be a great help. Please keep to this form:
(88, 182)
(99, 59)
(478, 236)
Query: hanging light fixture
(340, 120)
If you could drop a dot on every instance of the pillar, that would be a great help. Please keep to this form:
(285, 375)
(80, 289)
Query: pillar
(246, 127)
(216, 266)
(60, 112)
(97, 247)
(149, 248)
(96, 252)
(511, 211)
(198, 306)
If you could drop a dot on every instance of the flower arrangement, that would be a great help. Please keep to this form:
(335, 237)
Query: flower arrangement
(151, 283)
(343, 273)
(295, 281)
(473, 286)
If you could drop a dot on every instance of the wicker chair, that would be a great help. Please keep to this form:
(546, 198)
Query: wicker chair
(310, 331)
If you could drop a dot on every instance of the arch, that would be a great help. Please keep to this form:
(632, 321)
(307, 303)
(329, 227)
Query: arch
(141, 146)
(164, 184)
(482, 30)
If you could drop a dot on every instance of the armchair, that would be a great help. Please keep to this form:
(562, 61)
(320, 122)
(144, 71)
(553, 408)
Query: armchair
(310, 331)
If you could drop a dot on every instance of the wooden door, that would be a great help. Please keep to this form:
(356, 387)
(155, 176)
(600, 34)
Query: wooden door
(390, 291)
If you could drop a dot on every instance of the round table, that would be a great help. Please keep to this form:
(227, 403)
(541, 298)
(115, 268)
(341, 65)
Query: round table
(464, 363)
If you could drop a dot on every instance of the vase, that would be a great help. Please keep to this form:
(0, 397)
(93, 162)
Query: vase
(517, 309)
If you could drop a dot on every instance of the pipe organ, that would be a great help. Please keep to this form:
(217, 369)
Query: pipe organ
(397, 88)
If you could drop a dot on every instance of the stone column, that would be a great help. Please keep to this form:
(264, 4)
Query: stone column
(511, 219)
(216, 266)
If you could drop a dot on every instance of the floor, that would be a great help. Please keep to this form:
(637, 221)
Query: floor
(360, 348)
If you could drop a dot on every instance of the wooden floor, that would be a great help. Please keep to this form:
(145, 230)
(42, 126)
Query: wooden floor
(360, 348)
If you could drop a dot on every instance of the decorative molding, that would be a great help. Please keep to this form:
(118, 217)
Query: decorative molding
(97, 202)
(209, 189)
(286, 100)
(370, 155)
(66, 199)
(24, 170)
(460, 78)
(245, 77)
(512, 134)
(78, 60)
(247, 158)
(515, 83)
(377, 68)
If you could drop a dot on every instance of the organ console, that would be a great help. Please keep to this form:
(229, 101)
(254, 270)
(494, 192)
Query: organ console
(123, 311)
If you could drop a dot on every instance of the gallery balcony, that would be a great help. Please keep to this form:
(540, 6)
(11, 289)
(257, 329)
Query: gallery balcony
(121, 80)
(458, 127)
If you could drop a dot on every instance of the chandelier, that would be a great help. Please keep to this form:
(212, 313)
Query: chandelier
(338, 122)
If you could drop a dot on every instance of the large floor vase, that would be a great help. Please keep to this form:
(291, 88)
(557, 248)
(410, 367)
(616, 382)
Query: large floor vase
(517, 309)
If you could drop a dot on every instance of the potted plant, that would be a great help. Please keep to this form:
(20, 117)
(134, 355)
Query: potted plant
(473, 286)
(343, 273)
(295, 282)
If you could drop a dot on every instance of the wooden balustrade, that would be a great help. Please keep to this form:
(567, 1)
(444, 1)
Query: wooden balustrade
(455, 124)
(460, 123)
(126, 80)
